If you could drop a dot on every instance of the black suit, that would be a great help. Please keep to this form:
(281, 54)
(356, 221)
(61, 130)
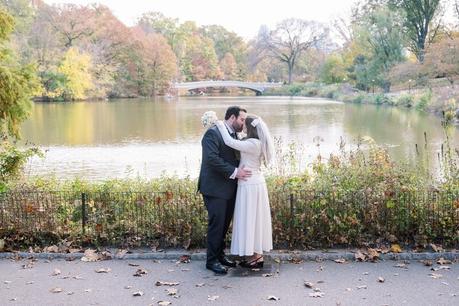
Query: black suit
(218, 190)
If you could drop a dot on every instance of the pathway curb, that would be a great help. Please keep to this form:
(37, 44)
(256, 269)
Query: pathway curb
(284, 256)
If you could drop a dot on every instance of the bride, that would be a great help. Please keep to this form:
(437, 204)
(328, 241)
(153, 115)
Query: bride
(252, 232)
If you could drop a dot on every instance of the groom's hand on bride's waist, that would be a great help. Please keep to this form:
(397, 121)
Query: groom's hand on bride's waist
(243, 174)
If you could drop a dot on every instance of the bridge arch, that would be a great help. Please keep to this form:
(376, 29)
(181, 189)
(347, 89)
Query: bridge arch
(257, 87)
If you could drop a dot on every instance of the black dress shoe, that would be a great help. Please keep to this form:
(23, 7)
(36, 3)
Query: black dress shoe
(226, 262)
(217, 268)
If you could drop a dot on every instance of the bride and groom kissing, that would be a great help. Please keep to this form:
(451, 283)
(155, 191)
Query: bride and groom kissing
(234, 188)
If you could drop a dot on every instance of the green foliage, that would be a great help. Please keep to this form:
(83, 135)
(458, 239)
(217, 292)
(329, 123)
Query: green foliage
(6, 25)
(12, 161)
(18, 83)
(355, 198)
(424, 101)
(333, 70)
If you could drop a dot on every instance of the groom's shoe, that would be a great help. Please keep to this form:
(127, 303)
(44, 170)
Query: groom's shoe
(216, 267)
(226, 262)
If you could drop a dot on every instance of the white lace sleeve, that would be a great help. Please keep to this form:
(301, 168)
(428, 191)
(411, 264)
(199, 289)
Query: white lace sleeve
(240, 145)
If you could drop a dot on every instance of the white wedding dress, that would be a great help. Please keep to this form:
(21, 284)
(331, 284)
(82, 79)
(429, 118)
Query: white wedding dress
(252, 232)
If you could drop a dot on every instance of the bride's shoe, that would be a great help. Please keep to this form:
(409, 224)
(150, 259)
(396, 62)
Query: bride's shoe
(253, 264)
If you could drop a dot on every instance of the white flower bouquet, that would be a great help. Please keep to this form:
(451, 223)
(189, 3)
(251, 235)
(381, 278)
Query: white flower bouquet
(208, 119)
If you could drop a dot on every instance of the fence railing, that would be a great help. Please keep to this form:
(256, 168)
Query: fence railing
(299, 219)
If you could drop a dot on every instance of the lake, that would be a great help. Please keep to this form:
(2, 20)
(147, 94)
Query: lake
(147, 137)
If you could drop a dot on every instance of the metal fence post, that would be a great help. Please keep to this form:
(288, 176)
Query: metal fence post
(83, 212)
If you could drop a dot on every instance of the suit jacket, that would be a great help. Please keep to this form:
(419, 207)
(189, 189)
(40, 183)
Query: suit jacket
(218, 164)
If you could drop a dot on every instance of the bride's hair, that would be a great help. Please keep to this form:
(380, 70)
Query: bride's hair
(251, 130)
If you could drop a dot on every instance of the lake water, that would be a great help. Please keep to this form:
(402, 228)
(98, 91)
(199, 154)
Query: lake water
(146, 137)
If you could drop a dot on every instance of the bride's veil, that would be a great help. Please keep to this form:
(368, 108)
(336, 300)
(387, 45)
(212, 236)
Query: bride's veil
(267, 142)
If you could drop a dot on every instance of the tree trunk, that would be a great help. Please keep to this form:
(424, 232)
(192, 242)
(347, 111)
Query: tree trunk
(290, 72)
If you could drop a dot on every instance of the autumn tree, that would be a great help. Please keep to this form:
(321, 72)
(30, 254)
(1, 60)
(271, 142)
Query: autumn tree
(291, 38)
(421, 23)
(18, 83)
(72, 22)
(442, 59)
(150, 64)
(75, 67)
(228, 66)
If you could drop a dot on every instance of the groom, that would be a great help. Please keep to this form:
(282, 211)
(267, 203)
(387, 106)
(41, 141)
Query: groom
(217, 184)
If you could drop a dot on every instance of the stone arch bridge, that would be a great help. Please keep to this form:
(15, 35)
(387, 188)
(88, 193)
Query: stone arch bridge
(257, 87)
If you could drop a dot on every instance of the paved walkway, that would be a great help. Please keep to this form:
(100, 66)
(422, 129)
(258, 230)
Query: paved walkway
(389, 282)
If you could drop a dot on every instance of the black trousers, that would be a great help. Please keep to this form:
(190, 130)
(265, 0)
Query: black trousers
(220, 213)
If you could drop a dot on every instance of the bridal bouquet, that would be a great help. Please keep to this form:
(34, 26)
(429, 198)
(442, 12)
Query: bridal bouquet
(208, 119)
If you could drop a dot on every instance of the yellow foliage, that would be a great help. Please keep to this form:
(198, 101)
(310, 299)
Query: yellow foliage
(76, 68)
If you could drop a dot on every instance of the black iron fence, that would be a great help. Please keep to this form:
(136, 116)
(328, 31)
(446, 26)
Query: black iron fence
(300, 219)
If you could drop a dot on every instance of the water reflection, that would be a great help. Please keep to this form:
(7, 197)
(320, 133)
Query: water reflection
(145, 137)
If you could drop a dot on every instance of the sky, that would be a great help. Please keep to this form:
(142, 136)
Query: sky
(241, 16)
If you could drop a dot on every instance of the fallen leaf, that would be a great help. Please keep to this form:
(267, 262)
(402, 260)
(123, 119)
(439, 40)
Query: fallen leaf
(56, 290)
(138, 293)
(51, 249)
(436, 248)
(316, 294)
(359, 256)
(381, 279)
(435, 275)
(340, 260)
(395, 248)
(443, 261)
(121, 253)
(440, 268)
(401, 265)
(161, 283)
(171, 291)
(212, 298)
(427, 263)
(92, 255)
(296, 260)
(74, 250)
(140, 272)
(373, 254)
(185, 259)
(103, 270)
(309, 284)
(56, 272)
(272, 298)
(164, 303)
(28, 265)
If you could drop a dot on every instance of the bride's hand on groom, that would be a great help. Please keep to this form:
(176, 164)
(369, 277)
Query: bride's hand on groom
(243, 174)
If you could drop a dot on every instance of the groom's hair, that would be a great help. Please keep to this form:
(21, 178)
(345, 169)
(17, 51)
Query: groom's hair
(234, 110)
